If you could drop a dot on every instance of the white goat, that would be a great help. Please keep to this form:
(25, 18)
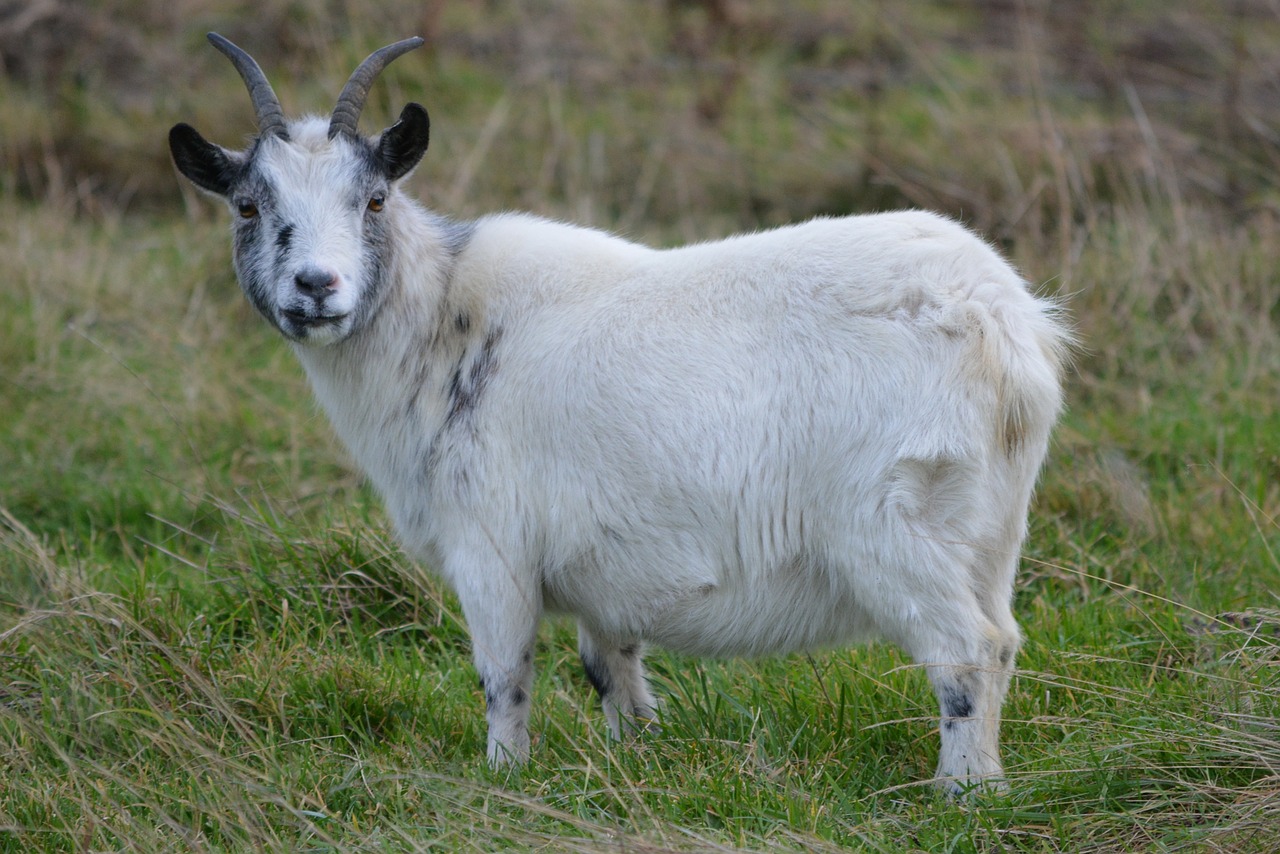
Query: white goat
(775, 442)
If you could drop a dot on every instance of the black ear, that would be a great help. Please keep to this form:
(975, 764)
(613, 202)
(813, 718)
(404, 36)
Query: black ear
(403, 144)
(207, 166)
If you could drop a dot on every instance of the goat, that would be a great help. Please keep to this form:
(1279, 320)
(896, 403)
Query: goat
(781, 441)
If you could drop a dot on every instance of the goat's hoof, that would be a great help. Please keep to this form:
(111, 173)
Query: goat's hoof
(968, 788)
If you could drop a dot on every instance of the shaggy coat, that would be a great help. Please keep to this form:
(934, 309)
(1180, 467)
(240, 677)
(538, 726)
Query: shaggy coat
(781, 441)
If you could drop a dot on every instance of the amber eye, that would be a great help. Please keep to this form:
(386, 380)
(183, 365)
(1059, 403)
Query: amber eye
(376, 202)
(248, 210)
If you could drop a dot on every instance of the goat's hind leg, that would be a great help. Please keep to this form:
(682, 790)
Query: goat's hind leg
(967, 650)
(970, 696)
(616, 671)
(948, 605)
(971, 666)
(969, 660)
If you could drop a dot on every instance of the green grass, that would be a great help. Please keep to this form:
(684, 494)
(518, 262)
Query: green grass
(210, 640)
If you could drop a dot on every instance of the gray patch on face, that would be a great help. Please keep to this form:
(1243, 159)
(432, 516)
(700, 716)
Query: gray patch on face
(254, 261)
(263, 246)
(376, 257)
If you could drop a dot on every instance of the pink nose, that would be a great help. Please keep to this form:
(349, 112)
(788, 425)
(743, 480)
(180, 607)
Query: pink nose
(314, 281)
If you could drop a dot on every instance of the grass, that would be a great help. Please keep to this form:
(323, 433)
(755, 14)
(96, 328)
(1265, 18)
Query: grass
(210, 641)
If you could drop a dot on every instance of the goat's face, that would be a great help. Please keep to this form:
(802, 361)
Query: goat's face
(311, 203)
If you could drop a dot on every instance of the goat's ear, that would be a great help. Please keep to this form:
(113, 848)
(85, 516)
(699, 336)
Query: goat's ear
(208, 166)
(402, 145)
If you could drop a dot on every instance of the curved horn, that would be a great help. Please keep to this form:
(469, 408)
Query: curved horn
(266, 106)
(346, 115)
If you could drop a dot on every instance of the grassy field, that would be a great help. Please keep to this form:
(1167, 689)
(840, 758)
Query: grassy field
(209, 640)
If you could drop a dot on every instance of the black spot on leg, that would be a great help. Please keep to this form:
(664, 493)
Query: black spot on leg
(518, 696)
(462, 322)
(956, 704)
(597, 675)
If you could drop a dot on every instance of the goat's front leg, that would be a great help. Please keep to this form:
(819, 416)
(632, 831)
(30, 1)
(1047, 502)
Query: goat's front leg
(502, 615)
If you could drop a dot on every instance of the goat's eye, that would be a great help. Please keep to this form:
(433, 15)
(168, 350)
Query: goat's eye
(248, 210)
(376, 201)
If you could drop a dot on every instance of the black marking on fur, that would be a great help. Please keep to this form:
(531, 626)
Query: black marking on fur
(469, 380)
(247, 237)
(458, 399)
(257, 266)
(462, 322)
(491, 697)
(254, 272)
(631, 650)
(955, 705)
(377, 259)
(284, 237)
(518, 696)
(597, 674)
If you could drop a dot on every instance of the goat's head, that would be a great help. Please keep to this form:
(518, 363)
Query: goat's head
(310, 203)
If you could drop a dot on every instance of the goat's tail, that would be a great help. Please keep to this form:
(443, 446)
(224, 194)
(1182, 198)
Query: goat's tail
(1025, 345)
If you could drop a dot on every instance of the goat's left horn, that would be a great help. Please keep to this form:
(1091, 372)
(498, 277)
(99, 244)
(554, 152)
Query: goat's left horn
(266, 106)
(346, 115)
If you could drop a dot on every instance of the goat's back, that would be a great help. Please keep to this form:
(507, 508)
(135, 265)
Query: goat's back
(696, 440)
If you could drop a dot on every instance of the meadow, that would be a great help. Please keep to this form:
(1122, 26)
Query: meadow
(209, 640)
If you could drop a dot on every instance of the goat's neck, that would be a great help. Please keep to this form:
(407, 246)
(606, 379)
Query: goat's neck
(385, 388)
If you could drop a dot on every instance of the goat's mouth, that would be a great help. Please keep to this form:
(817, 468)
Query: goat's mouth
(309, 321)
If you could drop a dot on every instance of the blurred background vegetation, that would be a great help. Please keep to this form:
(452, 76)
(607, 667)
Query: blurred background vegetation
(206, 631)
(1040, 124)
(1124, 154)
(1010, 113)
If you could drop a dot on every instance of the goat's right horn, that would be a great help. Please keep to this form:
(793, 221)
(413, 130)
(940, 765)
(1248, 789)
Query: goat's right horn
(266, 106)
(346, 114)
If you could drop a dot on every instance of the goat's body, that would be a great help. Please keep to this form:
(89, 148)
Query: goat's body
(776, 442)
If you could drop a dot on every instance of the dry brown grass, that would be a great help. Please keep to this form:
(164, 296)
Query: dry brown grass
(209, 641)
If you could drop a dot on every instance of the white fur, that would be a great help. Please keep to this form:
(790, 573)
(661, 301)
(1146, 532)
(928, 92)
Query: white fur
(776, 442)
